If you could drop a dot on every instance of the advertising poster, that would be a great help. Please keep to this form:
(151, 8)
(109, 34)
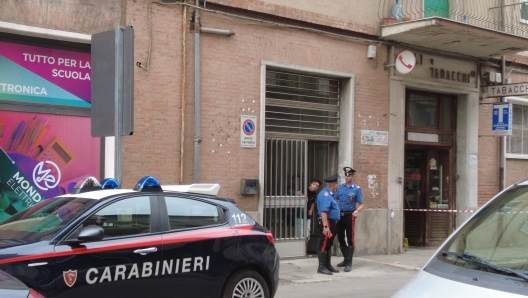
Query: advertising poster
(44, 75)
(42, 156)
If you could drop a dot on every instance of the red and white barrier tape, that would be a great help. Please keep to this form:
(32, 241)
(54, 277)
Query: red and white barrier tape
(461, 211)
(436, 210)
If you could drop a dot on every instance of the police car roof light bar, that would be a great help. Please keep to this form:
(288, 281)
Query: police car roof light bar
(109, 183)
(200, 188)
(86, 184)
(148, 183)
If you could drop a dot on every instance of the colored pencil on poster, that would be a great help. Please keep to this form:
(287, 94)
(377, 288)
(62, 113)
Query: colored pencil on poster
(7, 133)
(42, 133)
(33, 137)
(26, 134)
(16, 134)
(21, 137)
(2, 128)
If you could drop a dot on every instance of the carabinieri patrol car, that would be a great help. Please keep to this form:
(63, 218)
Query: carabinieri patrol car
(150, 241)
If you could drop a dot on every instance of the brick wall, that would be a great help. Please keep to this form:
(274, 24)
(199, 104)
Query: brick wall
(488, 155)
(154, 148)
(82, 16)
(489, 145)
(363, 18)
(230, 86)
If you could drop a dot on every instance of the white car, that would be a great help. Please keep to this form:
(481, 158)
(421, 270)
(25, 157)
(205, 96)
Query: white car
(485, 257)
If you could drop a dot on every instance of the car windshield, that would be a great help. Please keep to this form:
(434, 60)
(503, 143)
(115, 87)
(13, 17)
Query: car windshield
(496, 238)
(42, 221)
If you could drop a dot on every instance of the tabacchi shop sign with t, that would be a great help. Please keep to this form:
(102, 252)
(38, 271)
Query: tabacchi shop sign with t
(435, 68)
(508, 90)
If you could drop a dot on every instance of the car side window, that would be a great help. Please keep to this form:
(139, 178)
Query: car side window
(188, 213)
(126, 217)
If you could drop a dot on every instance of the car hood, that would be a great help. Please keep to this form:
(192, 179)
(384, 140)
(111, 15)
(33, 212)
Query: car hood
(428, 285)
(5, 243)
(16, 253)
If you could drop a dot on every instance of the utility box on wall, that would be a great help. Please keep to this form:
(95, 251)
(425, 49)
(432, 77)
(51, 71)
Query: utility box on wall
(249, 186)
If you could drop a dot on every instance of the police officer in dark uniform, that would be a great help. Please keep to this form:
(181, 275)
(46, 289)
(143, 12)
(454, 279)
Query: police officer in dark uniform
(350, 200)
(328, 211)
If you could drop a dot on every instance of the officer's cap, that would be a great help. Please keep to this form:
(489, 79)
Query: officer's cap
(332, 178)
(349, 171)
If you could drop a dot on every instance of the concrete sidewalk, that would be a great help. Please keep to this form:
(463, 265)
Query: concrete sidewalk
(304, 270)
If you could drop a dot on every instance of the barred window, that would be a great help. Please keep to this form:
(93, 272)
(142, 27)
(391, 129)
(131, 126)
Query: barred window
(524, 11)
(517, 143)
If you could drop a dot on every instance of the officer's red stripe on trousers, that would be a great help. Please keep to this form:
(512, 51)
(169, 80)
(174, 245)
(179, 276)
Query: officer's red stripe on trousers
(323, 249)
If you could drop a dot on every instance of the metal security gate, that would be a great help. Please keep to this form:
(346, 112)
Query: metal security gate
(285, 190)
(300, 110)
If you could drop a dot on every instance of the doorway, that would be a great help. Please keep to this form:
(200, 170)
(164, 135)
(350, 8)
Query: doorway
(429, 171)
(428, 195)
(290, 164)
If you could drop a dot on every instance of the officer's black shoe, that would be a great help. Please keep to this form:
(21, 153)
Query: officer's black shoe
(348, 267)
(322, 259)
(331, 269)
(323, 270)
(328, 264)
(344, 251)
(348, 262)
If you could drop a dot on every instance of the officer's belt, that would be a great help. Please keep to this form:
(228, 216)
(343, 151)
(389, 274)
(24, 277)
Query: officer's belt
(329, 219)
(347, 213)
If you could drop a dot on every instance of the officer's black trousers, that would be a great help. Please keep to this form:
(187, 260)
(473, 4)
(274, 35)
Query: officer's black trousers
(345, 228)
(326, 242)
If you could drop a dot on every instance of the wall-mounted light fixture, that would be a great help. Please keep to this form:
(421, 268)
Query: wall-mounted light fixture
(399, 179)
(371, 51)
(217, 31)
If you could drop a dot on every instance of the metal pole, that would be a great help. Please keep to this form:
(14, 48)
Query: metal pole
(197, 120)
(118, 93)
(389, 232)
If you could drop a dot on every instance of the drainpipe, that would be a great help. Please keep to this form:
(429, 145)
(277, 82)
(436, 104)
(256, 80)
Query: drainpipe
(197, 139)
(502, 140)
(184, 59)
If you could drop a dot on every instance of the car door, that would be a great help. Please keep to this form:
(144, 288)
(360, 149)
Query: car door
(199, 247)
(125, 263)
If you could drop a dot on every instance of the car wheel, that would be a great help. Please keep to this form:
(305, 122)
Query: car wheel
(246, 284)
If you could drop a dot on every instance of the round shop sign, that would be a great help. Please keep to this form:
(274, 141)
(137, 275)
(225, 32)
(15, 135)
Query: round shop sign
(405, 62)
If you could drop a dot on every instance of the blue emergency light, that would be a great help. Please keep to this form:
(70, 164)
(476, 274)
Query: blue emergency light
(109, 183)
(86, 184)
(148, 183)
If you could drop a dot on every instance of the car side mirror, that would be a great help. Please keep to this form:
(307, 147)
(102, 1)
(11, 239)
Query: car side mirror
(91, 233)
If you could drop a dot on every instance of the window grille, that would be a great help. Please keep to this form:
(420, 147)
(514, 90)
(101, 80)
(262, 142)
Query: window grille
(302, 106)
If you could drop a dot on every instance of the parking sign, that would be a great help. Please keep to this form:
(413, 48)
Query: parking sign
(248, 135)
(502, 119)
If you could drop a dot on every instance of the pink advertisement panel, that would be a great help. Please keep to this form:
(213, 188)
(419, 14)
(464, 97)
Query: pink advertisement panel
(44, 75)
(52, 152)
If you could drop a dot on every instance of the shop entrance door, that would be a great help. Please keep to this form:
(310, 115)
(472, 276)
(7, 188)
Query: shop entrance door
(428, 195)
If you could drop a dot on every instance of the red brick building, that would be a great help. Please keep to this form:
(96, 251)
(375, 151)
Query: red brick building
(320, 87)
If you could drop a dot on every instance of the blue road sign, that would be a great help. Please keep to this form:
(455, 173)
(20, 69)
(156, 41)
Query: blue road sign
(502, 119)
(249, 127)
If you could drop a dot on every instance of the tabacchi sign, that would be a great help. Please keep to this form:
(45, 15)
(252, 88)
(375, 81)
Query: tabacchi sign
(508, 90)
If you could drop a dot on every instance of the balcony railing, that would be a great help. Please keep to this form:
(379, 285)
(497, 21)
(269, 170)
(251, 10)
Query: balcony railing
(509, 16)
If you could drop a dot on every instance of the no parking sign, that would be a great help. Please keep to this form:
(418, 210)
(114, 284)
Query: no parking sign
(248, 135)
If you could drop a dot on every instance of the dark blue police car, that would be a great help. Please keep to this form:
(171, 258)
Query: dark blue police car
(150, 241)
